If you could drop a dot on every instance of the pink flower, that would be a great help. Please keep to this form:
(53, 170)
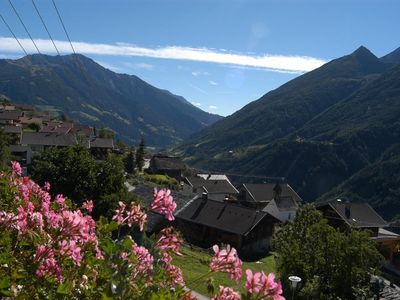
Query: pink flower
(60, 200)
(70, 249)
(227, 261)
(16, 168)
(88, 205)
(253, 281)
(46, 186)
(164, 203)
(175, 274)
(261, 283)
(124, 255)
(226, 293)
(144, 260)
(125, 216)
(48, 264)
(22, 219)
(119, 213)
(6, 219)
(169, 242)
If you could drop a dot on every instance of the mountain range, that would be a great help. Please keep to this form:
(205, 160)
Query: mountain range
(332, 132)
(85, 91)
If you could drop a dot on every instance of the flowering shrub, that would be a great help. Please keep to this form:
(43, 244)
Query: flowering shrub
(49, 249)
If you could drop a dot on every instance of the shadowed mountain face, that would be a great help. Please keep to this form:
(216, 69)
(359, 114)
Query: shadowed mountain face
(318, 130)
(87, 92)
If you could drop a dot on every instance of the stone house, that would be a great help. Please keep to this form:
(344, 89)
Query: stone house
(206, 222)
(280, 200)
(166, 165)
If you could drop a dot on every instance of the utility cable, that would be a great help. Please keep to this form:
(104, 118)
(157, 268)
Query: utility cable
(15, 37)
(62, 23)
(26, 29)
(45, 27)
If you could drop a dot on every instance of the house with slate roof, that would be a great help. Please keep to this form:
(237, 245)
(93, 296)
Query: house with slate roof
(167, 165)
(216, 189)
(101, 147)
(341, 214)
(280, 200)
(40, 141)
(9, 117)
(205, 222)
(362, 216)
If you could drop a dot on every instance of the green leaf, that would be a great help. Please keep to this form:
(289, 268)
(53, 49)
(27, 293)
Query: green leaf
(65, 288)
(112, 226)
(108, 247)
(5, 283)
(104, 296)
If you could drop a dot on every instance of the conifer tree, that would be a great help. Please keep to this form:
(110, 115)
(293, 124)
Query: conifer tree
(129, 162)
(140, 155)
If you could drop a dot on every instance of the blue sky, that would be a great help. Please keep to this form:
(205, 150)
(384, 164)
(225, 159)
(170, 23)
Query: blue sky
(219, 55)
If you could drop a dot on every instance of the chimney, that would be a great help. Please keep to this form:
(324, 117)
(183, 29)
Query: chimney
(347, 210)
(204, 196)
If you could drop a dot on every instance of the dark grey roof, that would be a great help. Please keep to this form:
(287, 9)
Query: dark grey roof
(164, 162)
(145, 192)
(219, 187)
(47, 139)
(155, 222)
(264, 192)
(286, 203)
(30, 120)
(25, 107)
(224, 216)
(10, 114)
(12, 129)
(360, 215)
(195, 181)
(102, 143)
(57, 129)
(82, 129)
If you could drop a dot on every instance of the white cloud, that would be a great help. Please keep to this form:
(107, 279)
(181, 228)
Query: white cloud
(266, 61)
(145, 66)
(212, 107)
(200, 73)
(196, 104)
(212, 82)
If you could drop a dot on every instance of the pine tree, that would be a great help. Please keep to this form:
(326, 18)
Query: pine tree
(129, 162)
(140, 155)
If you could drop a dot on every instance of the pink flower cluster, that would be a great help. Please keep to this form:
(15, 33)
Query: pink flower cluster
(264, 285)
(130, 215)
(16, 168)
(66, 234)
(227, 261)
(88, 205)
(226, 293)
(163, 203)
(169, 241)
(144, 260)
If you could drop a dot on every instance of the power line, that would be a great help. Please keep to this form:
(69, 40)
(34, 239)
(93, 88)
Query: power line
(26, 29)
(15, 37)
(62, 23)
(45, 27)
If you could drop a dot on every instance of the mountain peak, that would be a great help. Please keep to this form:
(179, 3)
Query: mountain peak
(363, 52)
(393, 57)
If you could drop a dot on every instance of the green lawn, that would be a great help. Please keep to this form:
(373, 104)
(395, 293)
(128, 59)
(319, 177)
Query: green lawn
(194, 263)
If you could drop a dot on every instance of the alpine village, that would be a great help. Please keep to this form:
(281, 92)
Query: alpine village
(112, 188)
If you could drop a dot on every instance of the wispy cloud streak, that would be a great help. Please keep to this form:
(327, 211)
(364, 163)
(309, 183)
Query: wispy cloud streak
(271, 62)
